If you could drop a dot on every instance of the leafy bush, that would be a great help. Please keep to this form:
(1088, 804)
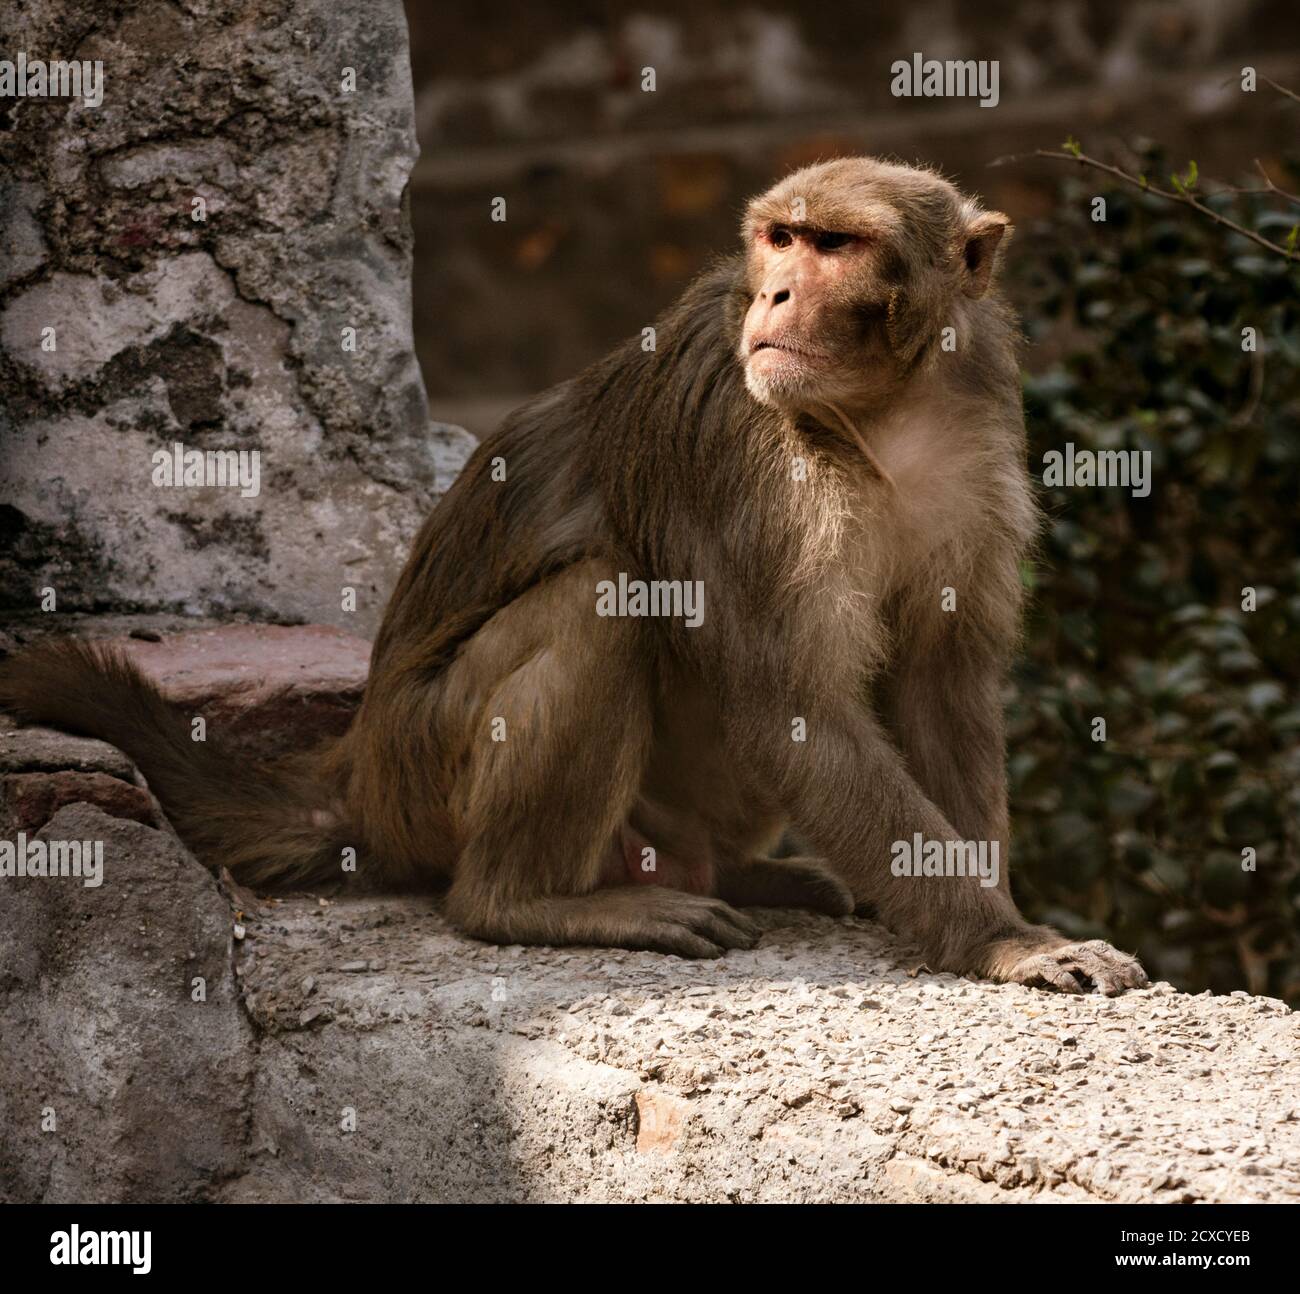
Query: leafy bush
(1137, 609)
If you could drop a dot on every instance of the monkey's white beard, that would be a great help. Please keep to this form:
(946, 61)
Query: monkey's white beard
(783, 386)
(758, 387)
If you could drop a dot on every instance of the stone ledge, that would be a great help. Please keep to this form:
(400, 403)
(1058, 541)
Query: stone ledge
(813, 1068)
(127, 1057)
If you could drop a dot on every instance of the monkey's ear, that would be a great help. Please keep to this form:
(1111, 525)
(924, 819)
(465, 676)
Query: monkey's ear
(979, 251)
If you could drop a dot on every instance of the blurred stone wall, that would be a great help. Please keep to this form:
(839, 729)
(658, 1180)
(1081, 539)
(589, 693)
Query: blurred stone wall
(128, 326)
(616, 197)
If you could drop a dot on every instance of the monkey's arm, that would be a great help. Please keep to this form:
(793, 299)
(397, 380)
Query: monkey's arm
(943, 707)
(941, 699)
(848, 790)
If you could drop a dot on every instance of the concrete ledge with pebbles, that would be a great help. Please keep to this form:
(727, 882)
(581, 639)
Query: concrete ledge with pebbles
(814, 1068)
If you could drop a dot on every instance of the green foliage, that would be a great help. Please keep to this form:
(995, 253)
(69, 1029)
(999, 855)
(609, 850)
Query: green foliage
(1186, 182)
(1137, 602)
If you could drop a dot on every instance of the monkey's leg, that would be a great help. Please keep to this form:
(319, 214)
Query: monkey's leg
(782, 883)
(945, 712)
(551, 704)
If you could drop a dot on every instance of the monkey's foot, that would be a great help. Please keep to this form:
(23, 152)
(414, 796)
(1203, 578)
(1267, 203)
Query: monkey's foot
(784, 883)
(1073, 967)
(689, 925)
(652, 918)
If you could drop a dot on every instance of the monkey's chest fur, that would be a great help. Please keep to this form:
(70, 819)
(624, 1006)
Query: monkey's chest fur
(887, 567)
(918, 549)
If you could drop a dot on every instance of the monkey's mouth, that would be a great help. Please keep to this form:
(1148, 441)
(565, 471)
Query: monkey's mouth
(784, 347)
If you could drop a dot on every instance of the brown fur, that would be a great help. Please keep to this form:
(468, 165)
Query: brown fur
(822, 602)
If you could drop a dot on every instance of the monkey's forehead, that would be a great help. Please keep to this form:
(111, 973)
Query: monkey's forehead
(857, 195)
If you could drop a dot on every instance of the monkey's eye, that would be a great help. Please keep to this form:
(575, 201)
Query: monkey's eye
(827, 241)
(780, 237)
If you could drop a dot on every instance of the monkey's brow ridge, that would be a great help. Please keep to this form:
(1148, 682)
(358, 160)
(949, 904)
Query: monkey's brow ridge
(805, 227)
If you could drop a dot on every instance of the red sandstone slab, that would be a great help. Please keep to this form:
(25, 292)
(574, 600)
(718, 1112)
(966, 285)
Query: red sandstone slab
(267, 689)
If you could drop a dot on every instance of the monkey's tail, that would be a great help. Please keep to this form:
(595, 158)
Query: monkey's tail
(268, 823)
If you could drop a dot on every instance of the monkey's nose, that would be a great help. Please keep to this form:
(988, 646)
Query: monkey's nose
(781, 296)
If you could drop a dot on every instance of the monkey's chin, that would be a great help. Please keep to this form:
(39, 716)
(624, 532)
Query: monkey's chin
(779, 380)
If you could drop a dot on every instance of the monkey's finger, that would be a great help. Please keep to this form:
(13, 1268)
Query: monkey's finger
(734, 936)
(722, 929)
(697, 916)
(1133, 976)
(715, 904)
(678, 941)
(1044, 970)
(1058, 977)
(737, 920)
(707, 915)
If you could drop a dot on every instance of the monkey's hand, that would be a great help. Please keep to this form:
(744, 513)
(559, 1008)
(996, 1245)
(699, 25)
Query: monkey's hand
(1073, 967)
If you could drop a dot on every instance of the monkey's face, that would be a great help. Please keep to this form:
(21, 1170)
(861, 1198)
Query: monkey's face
(854, 267)
(800, 342)
(793, 340)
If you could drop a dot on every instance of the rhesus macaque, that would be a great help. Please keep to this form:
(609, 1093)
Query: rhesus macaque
(827, 436)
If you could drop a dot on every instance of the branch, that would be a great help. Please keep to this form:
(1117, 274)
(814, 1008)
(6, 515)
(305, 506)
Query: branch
(1269, 190)
(1169, 195)
(1281, 89)
(1272, 188)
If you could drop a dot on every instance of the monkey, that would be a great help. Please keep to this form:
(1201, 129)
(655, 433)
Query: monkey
(827, 438)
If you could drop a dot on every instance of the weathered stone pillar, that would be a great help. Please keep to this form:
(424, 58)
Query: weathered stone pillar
(204, 242)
